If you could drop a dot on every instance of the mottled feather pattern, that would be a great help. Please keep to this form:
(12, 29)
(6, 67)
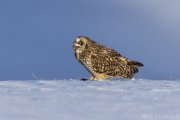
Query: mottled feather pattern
(103, 62)
(112, 66)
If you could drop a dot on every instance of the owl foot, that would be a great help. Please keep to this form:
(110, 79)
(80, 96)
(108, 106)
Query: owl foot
(93, 78)
(99, 77)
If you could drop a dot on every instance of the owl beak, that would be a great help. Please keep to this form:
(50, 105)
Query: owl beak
(76, 46)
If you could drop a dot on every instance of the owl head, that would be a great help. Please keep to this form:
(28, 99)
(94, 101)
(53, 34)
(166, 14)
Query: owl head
(81, 43)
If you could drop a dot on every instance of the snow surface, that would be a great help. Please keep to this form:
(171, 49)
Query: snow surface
(90, 100)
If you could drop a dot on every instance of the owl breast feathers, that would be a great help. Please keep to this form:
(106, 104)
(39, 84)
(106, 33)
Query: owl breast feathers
(103, 62)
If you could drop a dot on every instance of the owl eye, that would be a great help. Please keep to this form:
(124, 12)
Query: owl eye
(80, 43)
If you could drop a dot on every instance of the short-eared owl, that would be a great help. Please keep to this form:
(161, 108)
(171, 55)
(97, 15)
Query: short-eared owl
(103, 62)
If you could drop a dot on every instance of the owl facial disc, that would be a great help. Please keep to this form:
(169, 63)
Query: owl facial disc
(78, 45)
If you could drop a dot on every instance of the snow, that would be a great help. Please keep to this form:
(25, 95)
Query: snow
(90, 100)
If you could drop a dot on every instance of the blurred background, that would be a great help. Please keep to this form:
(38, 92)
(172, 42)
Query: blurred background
(36, 36)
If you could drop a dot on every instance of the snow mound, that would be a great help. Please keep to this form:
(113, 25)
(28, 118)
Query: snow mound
(90, 100)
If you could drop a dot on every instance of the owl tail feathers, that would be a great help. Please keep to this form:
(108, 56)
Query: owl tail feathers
(135, 63)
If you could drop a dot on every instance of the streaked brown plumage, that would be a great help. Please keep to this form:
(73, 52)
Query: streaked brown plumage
(103, 62)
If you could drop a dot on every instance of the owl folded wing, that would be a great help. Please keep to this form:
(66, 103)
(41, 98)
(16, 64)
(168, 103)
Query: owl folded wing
(114, 66)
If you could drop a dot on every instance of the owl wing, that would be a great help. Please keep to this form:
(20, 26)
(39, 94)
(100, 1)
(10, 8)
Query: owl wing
(111, 63)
